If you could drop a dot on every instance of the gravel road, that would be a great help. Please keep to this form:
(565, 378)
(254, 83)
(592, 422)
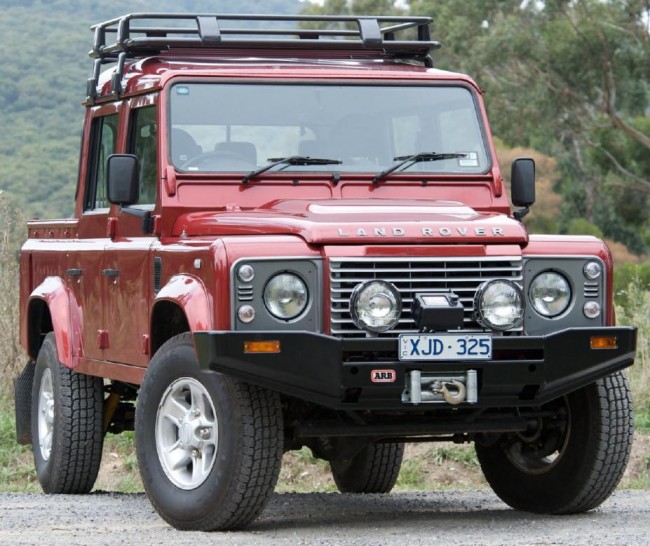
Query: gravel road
(449, 518)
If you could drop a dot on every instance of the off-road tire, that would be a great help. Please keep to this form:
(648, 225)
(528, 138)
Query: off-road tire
(373, 470)
(70, 406)
(590, 464)
(244, 421)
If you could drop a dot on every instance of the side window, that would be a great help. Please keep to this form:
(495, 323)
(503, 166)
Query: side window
(103, 139)
(143, 142)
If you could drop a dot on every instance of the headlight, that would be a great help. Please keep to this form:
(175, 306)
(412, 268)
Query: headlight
(499, 305)
(375, 306)
(550, 294)
(285, 296)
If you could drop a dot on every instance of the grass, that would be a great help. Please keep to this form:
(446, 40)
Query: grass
(637, 313)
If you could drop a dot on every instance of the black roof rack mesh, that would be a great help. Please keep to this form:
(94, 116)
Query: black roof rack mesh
(138, 35)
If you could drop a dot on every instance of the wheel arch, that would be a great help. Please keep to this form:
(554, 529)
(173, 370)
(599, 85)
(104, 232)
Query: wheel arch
(51, 309)
(182, 305)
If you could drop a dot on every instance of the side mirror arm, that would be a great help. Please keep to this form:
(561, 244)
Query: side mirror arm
(147, 219)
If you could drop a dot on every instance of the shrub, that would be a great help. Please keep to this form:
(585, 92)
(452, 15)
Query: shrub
(11, 233)
(635, 313)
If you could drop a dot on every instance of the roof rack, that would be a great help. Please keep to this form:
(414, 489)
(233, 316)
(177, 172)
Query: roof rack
(138, 35)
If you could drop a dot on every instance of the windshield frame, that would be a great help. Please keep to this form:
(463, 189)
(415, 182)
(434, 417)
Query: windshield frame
(292, 170)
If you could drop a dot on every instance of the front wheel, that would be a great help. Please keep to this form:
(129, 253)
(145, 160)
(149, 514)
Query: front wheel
(209, 447)
(573, 460)
(67, 428)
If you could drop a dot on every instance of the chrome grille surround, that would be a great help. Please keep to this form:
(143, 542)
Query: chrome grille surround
(410, 275)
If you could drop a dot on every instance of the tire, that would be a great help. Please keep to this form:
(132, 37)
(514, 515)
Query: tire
(209, 447)
(67, 424)
(574, 461)
(373, 470)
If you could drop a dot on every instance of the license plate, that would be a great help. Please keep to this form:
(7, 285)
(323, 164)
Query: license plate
(445, 347)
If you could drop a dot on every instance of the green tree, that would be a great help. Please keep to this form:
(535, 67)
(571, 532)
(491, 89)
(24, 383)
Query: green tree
(568, 78)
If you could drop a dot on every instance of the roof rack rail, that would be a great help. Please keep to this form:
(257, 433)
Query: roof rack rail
(138, 35)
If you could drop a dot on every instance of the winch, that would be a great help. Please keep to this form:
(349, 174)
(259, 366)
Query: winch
(433, 388)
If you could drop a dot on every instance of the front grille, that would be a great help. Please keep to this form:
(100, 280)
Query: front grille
(460, 275)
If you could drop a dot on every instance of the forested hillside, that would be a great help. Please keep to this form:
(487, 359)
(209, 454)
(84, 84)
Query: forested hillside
(567, 79)
(43, 72)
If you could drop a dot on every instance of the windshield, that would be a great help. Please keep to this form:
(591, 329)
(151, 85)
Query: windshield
(222, 127)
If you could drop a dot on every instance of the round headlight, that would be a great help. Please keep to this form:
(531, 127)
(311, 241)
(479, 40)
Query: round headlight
(499, 305)
(550, 294)
(375, 306)
(286, 296)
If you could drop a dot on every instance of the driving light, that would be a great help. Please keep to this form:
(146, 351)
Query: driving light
(246, 313)
(375, 306)
(550, 294)
(285, 296)
(245, 273)
(499, 305)
(591, 309)
(592, 270)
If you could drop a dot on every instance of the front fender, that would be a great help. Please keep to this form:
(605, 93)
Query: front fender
(64, 313)
(190, 294)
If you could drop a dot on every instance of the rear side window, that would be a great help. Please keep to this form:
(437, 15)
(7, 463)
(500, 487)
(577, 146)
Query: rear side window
(103, 140)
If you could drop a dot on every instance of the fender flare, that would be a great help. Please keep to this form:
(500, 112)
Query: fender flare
(65, 315)
(191, 295)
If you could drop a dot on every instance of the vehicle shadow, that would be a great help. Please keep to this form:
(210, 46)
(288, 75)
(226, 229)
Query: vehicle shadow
(441, 511)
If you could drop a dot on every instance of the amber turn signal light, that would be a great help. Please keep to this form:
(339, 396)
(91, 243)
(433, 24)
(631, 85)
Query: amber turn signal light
(261, 346)
(604, 342)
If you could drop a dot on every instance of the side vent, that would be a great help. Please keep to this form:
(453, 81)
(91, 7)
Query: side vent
(245, 292)
(157, 269)
(592, 289)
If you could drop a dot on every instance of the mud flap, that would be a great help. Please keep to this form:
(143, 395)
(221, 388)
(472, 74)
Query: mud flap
(23, 399)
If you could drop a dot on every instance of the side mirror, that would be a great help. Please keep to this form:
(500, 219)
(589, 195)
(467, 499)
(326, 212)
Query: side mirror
(522, 182)
(123, 179)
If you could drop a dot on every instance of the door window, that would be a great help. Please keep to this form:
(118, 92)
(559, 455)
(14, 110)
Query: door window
(143, 142)
(103, 141)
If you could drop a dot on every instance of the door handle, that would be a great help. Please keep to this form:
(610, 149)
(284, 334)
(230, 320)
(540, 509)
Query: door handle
(110, 272)
(73, 272)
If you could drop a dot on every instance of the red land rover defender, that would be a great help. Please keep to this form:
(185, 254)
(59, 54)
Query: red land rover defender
(293, 231)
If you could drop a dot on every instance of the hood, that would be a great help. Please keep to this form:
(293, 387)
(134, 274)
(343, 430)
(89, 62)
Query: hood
(359, 221)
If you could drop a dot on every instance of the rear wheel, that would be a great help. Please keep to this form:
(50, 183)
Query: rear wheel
(372, 470)
(67, 428)
(574, 458)
(209, 447)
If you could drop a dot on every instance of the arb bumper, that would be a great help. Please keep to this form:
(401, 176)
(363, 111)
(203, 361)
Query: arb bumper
(366, 373)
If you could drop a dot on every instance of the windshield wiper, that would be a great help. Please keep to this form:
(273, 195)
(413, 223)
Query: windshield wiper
(291, 160)
(413, 159)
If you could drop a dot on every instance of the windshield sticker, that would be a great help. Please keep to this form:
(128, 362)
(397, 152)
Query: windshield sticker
(470, 159)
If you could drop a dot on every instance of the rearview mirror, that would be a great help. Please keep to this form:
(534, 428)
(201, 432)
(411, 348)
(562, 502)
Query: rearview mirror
(522, 181)
(123, 179)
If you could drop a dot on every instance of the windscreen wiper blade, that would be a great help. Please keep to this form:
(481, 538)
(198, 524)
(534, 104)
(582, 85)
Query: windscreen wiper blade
(412, 160)
(291, 160)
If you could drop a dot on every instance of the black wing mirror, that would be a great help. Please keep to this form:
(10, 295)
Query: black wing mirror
(522, 181)
(123, 187)
(123, 179)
